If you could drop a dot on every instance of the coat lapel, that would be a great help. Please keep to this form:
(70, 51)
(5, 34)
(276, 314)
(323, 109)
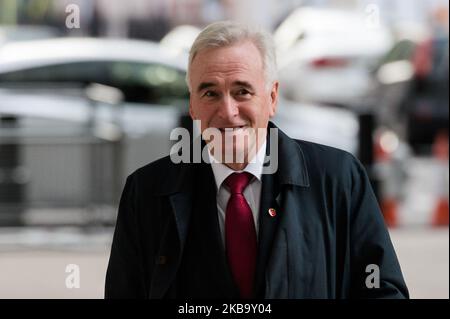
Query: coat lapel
(214, 246)
(178, 191)
(172, 244)
(288, 266)
(290, 271)
(267, 228)
(199, 195)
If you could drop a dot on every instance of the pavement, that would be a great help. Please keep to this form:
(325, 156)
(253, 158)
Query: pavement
(38, 263)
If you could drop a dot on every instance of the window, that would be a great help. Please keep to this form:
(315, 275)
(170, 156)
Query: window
(140, 82)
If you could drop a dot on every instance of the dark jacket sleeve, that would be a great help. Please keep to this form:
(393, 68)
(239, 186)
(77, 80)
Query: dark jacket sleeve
(371, 246)
(124, 276)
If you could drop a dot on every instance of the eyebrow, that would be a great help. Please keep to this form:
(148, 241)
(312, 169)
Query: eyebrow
(244, 84)
(205, 85)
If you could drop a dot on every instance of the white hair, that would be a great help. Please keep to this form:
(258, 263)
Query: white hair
(227, 33)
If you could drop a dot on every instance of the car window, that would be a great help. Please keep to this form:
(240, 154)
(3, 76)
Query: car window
(403, 50)
(140, 82)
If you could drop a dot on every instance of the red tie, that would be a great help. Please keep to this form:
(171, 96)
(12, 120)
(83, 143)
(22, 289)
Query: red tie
(240, 234)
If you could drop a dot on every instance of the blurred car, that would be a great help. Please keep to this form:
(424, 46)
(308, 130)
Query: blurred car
(26, 33)
(326, 55)
(319, 124)
(47, 88)
(393, 82)
(180, 38)
(144, 71)
(428, 112)
(149, 77)
(412, 90)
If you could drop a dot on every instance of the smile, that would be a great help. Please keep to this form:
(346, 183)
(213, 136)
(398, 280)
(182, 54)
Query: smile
(232, 129)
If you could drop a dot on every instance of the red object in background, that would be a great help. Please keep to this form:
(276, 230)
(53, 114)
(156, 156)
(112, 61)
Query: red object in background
(329, 62)
(440, 146)
(440, 152)
(422, 59)
(389, 207)
(440, 216)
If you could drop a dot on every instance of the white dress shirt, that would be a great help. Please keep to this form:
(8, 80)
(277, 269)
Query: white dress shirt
(252, 192)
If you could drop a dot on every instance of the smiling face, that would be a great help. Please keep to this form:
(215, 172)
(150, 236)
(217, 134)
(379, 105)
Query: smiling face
(229, 93)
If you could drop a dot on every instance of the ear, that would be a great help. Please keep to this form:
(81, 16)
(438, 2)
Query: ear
(191, 110)
(273, 98)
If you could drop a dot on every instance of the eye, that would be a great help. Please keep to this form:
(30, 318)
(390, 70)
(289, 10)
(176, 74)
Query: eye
(243, 92)
(210, 94)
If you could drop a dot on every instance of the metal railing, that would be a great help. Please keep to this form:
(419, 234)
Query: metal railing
(59, 174)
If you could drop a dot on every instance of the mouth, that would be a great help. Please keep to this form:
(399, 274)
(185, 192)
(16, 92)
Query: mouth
(232, 128)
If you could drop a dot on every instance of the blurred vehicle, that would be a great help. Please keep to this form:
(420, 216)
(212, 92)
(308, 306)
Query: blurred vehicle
(25, 33)
(56, 131)
(144, 71)
(326, 55)
(393, 82)
(319, 124)
(428, 113)
(180, 38)
(412, 90)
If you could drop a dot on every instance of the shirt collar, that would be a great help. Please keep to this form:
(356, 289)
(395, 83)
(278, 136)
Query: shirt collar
(255, 167)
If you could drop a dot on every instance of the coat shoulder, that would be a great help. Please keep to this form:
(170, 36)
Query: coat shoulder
(161, 176)
(331, 161)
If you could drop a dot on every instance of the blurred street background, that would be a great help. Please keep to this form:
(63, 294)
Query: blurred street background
(91, 89)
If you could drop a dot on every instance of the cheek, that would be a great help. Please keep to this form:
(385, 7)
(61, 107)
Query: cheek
(203, 113)
(259, 112)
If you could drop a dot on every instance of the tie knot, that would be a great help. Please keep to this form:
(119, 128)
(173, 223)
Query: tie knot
(237, 182)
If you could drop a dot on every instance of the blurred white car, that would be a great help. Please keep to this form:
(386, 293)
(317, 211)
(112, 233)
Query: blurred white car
(144, 71)
(325, 55)
(47, 87)
(151, 79)
(26, 32)
(180, 38)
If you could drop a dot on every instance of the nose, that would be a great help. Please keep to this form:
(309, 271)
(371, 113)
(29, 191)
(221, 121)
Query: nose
(228, 108)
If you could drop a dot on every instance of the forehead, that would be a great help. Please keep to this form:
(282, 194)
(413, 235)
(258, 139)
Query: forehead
(242, 59)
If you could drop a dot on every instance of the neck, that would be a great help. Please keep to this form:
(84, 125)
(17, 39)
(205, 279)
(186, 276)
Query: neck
(236, 166)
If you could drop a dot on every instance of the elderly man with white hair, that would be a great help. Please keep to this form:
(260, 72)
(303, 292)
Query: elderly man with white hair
(228, 227)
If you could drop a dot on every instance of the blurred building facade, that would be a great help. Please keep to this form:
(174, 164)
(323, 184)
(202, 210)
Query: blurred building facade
(152, 19)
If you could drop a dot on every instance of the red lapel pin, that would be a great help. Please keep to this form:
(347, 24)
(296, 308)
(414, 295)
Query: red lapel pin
(272, 212)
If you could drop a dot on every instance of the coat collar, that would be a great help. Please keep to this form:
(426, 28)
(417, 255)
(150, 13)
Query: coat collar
(292, 168)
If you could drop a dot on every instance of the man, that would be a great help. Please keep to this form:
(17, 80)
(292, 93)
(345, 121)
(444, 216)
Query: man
(230, 229)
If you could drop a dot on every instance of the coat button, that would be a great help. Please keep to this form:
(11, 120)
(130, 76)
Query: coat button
(272, 212)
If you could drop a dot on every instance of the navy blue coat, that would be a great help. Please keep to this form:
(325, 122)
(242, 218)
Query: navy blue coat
(327, 232)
